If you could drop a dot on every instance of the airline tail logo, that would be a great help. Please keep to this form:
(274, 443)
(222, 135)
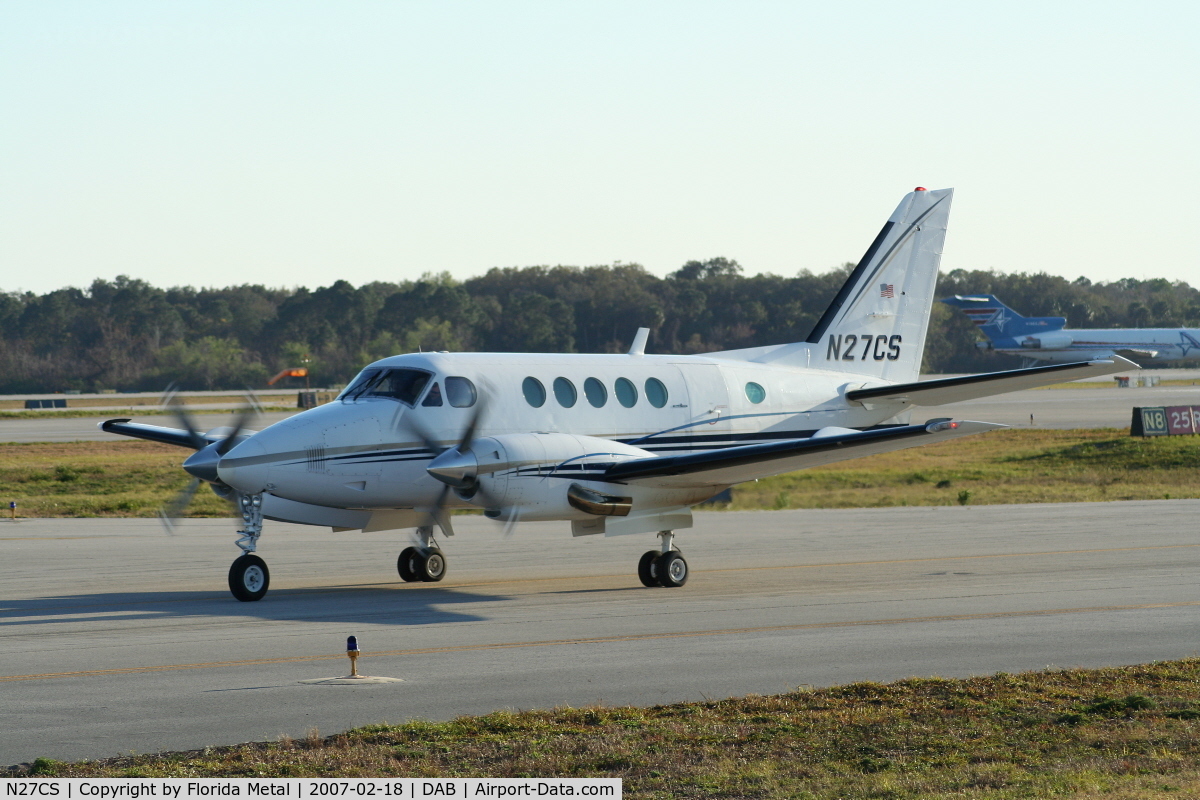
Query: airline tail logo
(1187, 342)
(988, 316)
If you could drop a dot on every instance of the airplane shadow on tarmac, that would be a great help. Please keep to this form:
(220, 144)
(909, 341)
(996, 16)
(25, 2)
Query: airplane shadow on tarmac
(424, 605)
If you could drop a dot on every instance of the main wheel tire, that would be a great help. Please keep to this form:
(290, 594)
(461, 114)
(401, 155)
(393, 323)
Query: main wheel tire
(405, 565)
(249, 578)
(648, 568)
(672, 569)
(432, 566)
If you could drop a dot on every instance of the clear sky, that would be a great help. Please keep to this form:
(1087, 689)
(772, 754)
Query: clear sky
(295, 143)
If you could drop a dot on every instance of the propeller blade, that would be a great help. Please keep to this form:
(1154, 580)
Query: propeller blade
(248, 412)
(468, 434)
(510, 525)
(170, 401)
(171, 512)
(419, 430)
(435, 514)
(442, 515)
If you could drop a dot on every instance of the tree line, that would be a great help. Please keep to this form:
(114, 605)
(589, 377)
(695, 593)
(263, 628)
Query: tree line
(129, 335)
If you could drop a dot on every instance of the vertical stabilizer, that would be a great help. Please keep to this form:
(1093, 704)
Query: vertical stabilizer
(998, 322)
(876, 324)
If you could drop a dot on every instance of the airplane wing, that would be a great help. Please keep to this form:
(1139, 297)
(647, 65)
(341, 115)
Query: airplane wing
(736, 464)
(968, 387)
(156, 433)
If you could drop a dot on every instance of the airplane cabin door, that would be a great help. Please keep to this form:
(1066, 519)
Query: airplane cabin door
(708, 400)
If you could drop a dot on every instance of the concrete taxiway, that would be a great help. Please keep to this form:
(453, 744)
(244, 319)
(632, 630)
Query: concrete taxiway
(118, 638)
(84, 429)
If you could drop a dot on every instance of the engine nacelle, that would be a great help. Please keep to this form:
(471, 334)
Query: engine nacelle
(1054, 340)
(531, 474)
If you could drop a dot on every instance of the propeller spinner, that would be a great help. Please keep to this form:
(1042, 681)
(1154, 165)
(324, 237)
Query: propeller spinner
(455, 466)
(202, 465)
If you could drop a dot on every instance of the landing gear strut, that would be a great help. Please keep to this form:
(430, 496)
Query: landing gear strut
(665, 567)
(249, 576)
(424, 563)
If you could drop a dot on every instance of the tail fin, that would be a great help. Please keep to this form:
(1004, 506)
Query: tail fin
(998, 322)
(876, 324)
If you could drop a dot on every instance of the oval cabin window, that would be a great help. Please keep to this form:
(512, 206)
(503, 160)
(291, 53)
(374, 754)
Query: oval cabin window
(626, 392)
(755, 393)
(656, 392)
(595, 392)
(535, 393)
(564, 392)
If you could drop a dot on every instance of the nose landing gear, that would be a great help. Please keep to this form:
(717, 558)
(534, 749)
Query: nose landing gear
(665, 567)
(248, 575)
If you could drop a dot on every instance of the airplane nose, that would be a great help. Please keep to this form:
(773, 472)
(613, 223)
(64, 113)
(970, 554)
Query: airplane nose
(245, 467)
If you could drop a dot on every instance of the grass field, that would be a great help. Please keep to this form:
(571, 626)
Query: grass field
(1006, 466)
(134, 478)
(1128, 732)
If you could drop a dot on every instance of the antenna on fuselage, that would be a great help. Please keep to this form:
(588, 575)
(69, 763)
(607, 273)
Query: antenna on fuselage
(638, 348)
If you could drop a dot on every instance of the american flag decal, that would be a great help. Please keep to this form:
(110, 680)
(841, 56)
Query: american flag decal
(886, 290)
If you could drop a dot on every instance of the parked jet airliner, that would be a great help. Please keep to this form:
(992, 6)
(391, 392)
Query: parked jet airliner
(1047, 338)
(613, 444)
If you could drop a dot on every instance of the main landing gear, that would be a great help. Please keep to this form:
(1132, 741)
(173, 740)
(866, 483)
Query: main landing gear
(424, 563)
(249, 576)
(664, 567)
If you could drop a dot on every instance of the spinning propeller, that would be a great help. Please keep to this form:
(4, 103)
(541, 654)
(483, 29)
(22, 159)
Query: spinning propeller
(457, 466)
(202, 465)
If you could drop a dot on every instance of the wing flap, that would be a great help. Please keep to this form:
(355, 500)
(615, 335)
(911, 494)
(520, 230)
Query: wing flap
(968, 387)
(736, 464)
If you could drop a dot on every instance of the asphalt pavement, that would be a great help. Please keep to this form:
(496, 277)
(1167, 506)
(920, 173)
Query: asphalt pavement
(118, 638)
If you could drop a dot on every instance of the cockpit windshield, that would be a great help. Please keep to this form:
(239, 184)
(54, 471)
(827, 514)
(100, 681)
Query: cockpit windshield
(400, 384)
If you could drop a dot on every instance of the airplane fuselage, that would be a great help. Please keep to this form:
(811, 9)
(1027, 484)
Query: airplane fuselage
(1069, 345)
(358, 452)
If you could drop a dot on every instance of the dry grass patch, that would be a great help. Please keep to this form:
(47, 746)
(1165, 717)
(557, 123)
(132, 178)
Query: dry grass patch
(1121, 732)
(134, 478)
(128, 478)
(1006, 466)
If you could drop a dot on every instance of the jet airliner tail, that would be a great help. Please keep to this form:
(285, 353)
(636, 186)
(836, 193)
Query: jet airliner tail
(998, 322)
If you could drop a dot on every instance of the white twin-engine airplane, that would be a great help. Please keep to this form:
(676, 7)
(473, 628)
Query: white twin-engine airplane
(615, 444)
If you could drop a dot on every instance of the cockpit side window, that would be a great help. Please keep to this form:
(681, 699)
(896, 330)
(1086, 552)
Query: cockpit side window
(461, 392)
(360, 382)
(400, 384)
(434, 398)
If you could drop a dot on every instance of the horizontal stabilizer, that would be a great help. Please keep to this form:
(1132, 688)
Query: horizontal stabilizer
(155, 433)
(1132, 353)
(736, 464)
(968, 387)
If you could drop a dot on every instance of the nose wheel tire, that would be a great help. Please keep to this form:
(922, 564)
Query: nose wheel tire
(249, 578)
(406, 565)
(647, 572)
(672, 570)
